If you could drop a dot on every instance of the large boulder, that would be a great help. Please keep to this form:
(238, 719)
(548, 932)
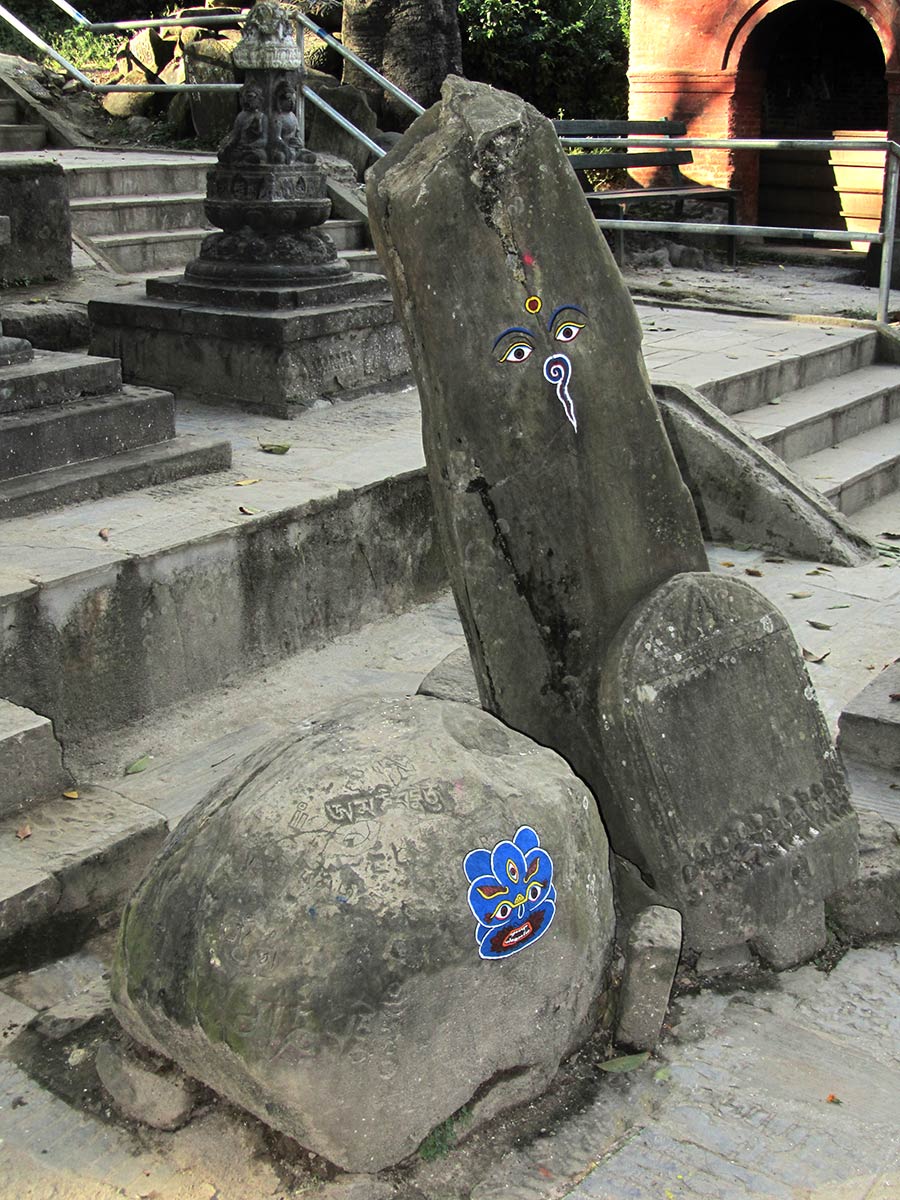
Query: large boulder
(400, 910)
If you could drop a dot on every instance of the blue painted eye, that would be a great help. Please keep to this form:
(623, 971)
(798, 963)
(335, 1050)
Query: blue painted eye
(568, 332)
(503, 911)
(533, 892)
(518, 352)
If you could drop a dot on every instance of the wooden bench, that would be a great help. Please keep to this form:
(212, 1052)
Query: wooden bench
(618, 201)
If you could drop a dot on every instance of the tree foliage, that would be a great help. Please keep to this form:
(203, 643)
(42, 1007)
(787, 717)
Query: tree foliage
(567, 57)
(63, 34)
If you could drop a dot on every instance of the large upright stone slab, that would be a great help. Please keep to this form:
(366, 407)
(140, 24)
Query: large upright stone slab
(567, 529)
(558, 498)
(735, 805)
(400, 910)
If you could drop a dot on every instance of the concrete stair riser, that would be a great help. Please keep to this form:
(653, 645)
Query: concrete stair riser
(31, 764)
(857, 472)
(95, 217)
(738, 393)
(22, 137)
(149, 466)
(114, 644)
(56, 379)
(9, 112)
(137, 253)
(82, 430)
(831, 428)
(151, 179)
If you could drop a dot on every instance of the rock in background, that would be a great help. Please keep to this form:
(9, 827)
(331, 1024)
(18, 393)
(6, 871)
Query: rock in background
(306, 942)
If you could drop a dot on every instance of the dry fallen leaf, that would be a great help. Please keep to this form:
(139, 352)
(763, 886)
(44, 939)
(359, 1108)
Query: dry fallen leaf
(23, 832)
(755, 571)
(799, 595)
(894, 696)
(71, 795)
(725, 563)
(808, 656)
(831, 1098)
(818, 625)
(275, 447)
(894, 537)
(773, 558)
(248, 512)
(246, 482)
(103, 533)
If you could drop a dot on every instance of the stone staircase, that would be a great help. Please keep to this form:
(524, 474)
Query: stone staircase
(869, 741)
(146, 215)
(71, 431)
(16, 136)
(834, 417)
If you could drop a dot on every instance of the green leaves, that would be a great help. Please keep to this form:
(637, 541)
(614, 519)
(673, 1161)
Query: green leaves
(630, 1062)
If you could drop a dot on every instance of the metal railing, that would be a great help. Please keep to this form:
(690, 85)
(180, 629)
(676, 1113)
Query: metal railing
(884, 237)
(206, 22)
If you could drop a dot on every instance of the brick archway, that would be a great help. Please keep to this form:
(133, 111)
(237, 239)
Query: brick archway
(688, 62)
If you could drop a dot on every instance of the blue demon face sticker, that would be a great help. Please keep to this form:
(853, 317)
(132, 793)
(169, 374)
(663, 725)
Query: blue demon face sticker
(512, 895)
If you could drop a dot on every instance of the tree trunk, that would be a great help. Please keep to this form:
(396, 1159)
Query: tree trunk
(414, 43)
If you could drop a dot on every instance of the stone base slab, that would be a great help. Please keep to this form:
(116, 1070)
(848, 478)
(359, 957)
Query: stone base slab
(273, 361)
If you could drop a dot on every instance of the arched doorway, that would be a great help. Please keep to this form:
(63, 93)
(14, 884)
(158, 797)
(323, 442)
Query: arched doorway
(822, 74)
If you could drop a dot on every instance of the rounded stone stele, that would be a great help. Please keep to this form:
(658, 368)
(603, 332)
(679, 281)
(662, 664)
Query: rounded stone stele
(305, 945)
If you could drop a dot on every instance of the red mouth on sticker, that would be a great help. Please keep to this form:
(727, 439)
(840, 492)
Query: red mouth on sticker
(519, 934)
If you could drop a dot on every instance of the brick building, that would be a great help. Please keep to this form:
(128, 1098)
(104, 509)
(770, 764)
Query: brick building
(775, 68)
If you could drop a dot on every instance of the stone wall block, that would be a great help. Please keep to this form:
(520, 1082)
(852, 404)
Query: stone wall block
(651, 958)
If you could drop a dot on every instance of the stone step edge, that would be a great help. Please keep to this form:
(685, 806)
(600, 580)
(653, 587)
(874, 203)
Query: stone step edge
(67, 863)
(149, 237)
(865, 383)
(151, 406)
(842, 478)
(161, 462)
(104, 376)
(869, 726)
(31, 761)
(767, 375)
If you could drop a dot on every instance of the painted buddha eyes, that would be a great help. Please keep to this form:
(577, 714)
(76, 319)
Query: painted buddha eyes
(516, 345)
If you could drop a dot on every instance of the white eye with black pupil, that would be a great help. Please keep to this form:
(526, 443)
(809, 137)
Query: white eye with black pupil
(502, 912)
(533, 892)
(517, 353)
(568, 332)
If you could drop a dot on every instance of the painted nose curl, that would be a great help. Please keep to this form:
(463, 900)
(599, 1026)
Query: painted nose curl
(558, 371)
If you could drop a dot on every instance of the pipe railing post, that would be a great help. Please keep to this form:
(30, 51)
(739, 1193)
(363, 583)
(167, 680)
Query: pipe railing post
(888, 227)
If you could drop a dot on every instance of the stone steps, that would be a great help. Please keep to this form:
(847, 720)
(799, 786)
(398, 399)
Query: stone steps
(181, 457)
(858, 472)
(22, 137)
(773, 376)
(81, 430)
(143, 217)
(9, 112)
(840, 429)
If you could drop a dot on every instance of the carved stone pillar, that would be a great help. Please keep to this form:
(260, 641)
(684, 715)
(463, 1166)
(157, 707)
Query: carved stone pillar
(267, 192)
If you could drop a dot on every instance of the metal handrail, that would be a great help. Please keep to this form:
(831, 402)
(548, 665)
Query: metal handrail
(885, 237)
(212, 21)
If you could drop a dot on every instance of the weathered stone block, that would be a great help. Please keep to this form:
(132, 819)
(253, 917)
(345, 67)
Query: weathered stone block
(870, 906)
(651, 958)
(730, 797)
(31, 765)
(323, 939)
(35, 196)
(278, 362)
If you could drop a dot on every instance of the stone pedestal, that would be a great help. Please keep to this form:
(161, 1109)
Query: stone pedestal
(268, 316)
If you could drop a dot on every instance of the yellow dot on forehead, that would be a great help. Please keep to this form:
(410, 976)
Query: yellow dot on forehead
(533, 304)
